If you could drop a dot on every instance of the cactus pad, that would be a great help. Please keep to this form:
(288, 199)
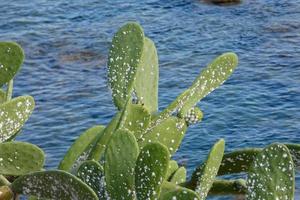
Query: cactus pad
(171, 191)
(179, 176)
(6, 193)
(13, 115)
(150, 170)
(120, 158)
(78, 152)
(18, 158)
(204, 176)
(272, 175)
(54, 184)
(92, 173)
(192, 116)
(146, 83)
(11, 59)
(173, 166)
(2, 96)
(169, 132)
(124, 57)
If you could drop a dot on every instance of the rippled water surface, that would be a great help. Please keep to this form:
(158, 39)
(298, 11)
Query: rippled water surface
(66, 44)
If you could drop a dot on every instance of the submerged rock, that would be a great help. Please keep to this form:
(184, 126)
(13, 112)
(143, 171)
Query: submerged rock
(221, 2)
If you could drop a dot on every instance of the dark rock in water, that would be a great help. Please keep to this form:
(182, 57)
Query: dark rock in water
(223, 2)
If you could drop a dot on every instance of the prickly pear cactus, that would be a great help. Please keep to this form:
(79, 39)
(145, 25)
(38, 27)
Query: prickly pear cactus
(179, 176)
(79, 152)
(146, 83)
(11, 59)
(210, 78)
(2, 96)
(228, 187)
(204, 176)
(18, 158)
(123, 60)
(238, 161)
(54, 184)
(272, 174)
(173, 166)
(169, 133)
(13, 115)
(120, 158)
(192, 116)
(150, 170)
(92, 173)
(171, 191)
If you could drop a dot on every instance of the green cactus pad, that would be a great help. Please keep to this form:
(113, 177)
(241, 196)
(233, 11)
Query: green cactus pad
(18, 158)
(204, 176)
(78, 152)
(150, 170)
(11, 59)
(54, 184)
(210, 78)
(272, 175)
(146, 83)
(171, 191)
(92, 173)
(228, 187)
(120, 158)
(238, 161)
(137, 119)
(99, 146)
(123, 60)
(169, 132)
(173, 166)
(179, 176)
(2, 96)
(13, 115)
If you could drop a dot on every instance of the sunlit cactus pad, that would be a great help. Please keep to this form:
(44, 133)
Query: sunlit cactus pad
(13, 115)
(272, 175)
(11, 59)
(53, 185)
(18, 158)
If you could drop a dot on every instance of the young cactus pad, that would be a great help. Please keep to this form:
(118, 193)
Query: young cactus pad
(179, 176)
(123, 60)
(272, 175)
(78, 152)
(92, 173)
(18, 158)
(54, 184)
(13, 115)
(11, 59)
(150, 170)
(204, 176)
(120, 158)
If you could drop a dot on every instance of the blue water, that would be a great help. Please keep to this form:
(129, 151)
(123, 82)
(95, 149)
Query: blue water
(66, 44)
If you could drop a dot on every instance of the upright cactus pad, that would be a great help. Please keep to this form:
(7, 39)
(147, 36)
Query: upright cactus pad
(272, 175)
(173, 166)
(92, 173)
(123, 60)
(210, 78)
(150, 171)
(120, 158)
(79, 152)
(18, 158)
(11, 59)
(179, 176)
(13, 115)
(146, 84)
(170, 133)
(204, 176)
(54, 184)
